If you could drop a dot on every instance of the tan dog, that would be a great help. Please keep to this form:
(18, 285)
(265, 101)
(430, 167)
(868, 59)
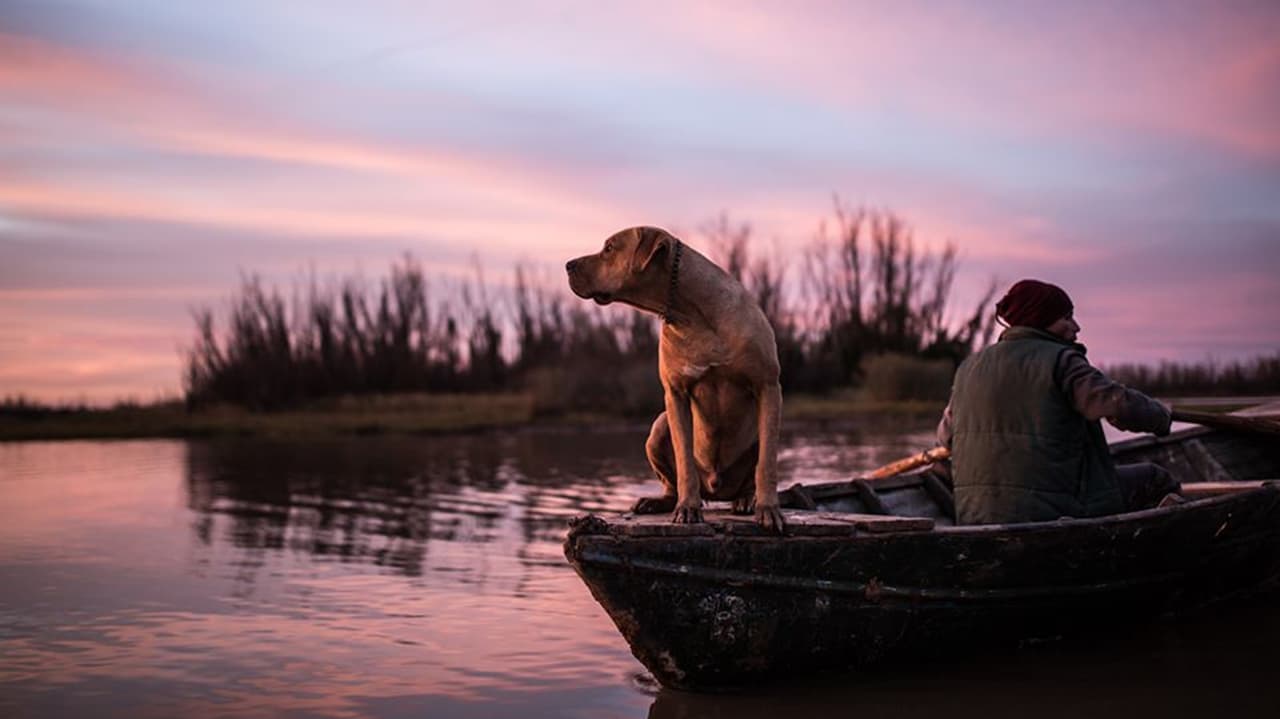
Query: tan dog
(718, 363)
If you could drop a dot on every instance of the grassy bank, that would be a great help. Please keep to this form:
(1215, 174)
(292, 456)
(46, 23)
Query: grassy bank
(395, 414)
(413, 414)
(439, 414)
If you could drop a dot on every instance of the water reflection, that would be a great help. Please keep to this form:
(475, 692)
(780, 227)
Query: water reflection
(385, 501)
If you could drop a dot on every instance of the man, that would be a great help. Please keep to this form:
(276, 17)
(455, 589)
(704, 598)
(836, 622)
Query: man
(1023, 423)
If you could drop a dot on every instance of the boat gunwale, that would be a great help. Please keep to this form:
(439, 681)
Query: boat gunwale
(1117, 519)
(1018, 528)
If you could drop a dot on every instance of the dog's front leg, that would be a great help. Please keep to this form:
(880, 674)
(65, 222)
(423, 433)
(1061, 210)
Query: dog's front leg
(768, 513)
(688, 487)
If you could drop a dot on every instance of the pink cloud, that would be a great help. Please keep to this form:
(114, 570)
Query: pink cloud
(1078, 70)
(161, 113)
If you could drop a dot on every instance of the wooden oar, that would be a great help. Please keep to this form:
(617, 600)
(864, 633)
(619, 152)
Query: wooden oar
(1227, 422)
(929, 456)
(1231, 422)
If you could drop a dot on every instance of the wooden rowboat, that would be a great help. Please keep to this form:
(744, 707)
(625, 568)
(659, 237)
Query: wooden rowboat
(874, 571)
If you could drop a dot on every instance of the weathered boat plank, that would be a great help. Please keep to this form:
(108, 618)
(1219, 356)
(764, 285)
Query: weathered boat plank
(868, 496)
(1204, 463)
(799, 524)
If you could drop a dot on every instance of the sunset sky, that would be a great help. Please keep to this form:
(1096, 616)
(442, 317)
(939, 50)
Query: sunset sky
(152, 151)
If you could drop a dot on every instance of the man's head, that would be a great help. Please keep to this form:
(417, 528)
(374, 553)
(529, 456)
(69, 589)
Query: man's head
(1032, 303)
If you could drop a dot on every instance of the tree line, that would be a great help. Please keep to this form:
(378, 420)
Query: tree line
(860, 288)
(1260, 375)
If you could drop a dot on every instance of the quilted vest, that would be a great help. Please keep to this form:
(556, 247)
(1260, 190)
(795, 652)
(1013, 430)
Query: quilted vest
(1020, 452)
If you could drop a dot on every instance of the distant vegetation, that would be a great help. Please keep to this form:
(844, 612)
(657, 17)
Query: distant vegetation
(858, 306)
(1260, 376)
(860, 289)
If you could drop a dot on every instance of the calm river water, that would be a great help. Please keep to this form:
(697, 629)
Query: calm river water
(423, 577)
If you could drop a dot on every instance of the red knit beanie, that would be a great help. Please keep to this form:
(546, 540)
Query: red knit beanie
(1032, 303)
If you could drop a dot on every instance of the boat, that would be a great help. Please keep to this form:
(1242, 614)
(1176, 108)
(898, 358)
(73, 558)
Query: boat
(877, 571)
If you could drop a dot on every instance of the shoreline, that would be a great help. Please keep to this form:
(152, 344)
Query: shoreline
(453, 414)
(416, 415)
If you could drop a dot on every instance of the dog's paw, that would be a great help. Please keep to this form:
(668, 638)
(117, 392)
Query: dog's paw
(743, 505)
(687, 514)
(769, 516)
(654, 505)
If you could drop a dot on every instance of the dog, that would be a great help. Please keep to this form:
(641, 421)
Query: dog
(718, 364)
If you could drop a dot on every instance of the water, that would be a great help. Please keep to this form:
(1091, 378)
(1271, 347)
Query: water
(423, 577)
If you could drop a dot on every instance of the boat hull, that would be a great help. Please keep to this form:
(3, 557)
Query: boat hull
(723, 607)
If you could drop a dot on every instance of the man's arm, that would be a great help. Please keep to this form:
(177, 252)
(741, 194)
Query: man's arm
(1095, 395)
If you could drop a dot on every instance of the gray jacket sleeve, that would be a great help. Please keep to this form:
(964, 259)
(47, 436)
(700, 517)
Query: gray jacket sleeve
(1097, 396)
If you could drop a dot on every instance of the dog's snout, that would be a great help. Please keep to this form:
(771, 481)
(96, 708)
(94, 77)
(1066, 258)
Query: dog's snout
(571, 266)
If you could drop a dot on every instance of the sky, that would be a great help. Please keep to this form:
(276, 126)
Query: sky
(153, 152)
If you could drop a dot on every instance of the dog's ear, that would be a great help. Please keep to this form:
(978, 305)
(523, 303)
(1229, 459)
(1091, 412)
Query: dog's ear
(650, 242)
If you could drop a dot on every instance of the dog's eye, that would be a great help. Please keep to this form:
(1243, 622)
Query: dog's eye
(608, 247)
